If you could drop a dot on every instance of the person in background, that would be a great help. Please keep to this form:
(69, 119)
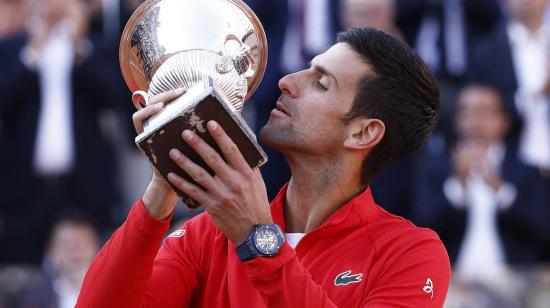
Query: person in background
(444, 33)
(73, 243)
(489, 208)
(13, 14)
(515, 59)
(57, 89)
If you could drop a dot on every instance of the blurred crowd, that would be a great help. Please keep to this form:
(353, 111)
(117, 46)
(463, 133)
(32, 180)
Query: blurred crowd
(70, 171)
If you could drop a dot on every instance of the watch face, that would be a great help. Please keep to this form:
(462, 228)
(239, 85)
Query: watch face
(266, 241)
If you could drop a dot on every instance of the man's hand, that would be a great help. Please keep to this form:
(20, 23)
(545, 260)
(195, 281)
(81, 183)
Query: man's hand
(470, 156)
(467, 156)
(159, 198)
(235, 197)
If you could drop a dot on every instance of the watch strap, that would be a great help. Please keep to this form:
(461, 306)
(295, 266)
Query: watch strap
(246, 250)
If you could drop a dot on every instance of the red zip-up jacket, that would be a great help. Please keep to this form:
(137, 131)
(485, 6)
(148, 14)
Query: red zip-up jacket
(361, 256)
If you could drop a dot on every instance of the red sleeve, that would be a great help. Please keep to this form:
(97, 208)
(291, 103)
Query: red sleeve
(418, 276)
(283, 282)
(122, 274)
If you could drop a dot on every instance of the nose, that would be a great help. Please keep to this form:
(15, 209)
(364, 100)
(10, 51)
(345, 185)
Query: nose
(289, 85)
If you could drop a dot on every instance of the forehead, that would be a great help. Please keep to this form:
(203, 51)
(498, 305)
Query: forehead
(68, 230)
(344, 63)
(479, 99)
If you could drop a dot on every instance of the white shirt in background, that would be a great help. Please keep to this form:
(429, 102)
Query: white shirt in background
(67, 294)
(531, 55)
(481, 256)
(54, 149)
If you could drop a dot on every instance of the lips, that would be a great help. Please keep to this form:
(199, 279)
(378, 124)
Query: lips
(279, 106)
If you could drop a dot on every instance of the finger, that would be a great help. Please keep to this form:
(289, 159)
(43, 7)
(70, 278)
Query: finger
(196, 172)
(207, 153)
(143, 114)
(189, 188)
(166, 96)
(228, 147)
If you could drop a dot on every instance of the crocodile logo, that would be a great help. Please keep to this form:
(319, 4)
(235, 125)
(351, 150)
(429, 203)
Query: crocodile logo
(345, 278)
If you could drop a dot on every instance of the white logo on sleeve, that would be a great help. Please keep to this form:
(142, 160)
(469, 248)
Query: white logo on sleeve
(177, 233)
(429, 288)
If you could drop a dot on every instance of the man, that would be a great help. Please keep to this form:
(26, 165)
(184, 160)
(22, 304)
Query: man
(56, 151)
(489, 209)
(73, 243)
(514, 59)
(365, 102)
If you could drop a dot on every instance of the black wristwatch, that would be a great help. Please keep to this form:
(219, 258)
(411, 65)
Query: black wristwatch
(263, 241)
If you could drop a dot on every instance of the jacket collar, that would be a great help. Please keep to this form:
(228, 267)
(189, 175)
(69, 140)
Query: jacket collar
(358, 211)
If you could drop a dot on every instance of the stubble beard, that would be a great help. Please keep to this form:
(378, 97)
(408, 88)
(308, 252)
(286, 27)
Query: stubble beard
(277, 137)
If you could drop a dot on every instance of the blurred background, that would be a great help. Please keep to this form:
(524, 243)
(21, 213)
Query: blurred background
(70, 170)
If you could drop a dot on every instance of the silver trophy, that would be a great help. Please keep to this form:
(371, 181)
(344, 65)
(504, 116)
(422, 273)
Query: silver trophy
(216, 50)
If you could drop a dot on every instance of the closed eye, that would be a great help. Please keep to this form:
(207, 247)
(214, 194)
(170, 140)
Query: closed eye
(319, 85)
(321, 72)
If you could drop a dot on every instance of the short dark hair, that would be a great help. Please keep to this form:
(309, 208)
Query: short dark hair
(480, 86)
(73, 216)
(401, 92)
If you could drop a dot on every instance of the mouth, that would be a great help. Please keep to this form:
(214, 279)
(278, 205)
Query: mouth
(279, 107)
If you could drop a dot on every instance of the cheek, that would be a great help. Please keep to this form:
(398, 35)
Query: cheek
(495, 126)
(323, 110)
(326, 129)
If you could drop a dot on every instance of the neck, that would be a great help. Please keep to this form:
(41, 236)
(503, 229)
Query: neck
(317, 189)
(532, 24)
(75, 278)
(487, 143)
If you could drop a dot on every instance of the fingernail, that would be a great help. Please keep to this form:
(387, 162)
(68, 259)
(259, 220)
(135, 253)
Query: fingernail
(187, 134)
(174, 153)
(180, 91)
(172, 177)
(212, 125)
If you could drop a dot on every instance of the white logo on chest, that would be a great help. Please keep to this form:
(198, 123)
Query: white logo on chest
(429, 288)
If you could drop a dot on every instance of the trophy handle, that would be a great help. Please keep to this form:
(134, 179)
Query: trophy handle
(140, 99)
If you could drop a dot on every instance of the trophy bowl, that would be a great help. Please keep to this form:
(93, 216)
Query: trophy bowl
(169, 44)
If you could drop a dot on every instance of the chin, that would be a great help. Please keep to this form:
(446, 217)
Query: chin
(274, 137)
(265, 135)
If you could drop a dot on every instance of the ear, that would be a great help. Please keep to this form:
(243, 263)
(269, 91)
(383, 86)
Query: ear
(364, 134)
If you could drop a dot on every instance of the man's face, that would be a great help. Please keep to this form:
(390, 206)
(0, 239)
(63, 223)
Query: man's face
(73, 247)
(308, 116)
(480, 116)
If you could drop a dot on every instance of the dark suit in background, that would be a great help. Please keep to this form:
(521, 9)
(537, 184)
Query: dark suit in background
(28, 201)
(492, 64)
(522, 227)
(426, 26)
